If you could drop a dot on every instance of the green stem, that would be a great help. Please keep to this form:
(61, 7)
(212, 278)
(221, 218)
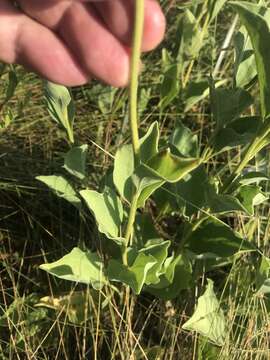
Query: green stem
(134, 77)
(133, 116)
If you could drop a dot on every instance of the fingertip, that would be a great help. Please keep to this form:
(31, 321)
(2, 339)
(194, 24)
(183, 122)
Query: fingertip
(155, 25)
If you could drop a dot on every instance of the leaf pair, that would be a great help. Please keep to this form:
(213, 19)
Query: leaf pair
(156, 168)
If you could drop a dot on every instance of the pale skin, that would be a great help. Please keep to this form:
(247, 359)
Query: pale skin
(71, 41)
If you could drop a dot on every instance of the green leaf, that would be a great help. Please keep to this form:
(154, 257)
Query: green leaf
(184, 141)
(218, 239)
(62, 188)
(253, 177)
(219, 203)
(75, 160)
(159, 251)
(259, 32)
(60, 107)
(228, 104)
(170, 86)
(241, 131)
(208, 318)
(171, 168)
(107, 210)
(12, 85)
(149, 143)
(263, 276)
(214, 7)
(134, 275)
(176, 276)
(123, 169)
(251, 196)
(78, 266)
(245, 64)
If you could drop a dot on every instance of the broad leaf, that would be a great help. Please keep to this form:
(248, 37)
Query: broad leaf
(259, 32)
(123, 170)
(159, 251)
(172, 168)
(176, 276)
(107, 210)
(134, 275)
(60, 107)
(251, 196)
(61, 188)
(228, 104)
(245, 64)
(75, 161)
(208, 318)
(183, 141)
(241, 131)
(218, 239)
(149, 143)
(79, 266)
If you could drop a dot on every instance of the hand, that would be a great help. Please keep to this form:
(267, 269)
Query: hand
(70, 41)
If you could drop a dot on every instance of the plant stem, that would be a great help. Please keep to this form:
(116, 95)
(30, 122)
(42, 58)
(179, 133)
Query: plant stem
(135, 68)
(133, 116)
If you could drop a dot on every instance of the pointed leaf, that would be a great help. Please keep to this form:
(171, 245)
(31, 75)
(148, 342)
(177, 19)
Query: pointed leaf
(208, 318)
(159, 251)
(184, 141)
(177, 275)
(78, 266)
(62, 188)
(133, 276)
(171, 168)
(60, 107)
(251, 196)
(259, 32)
(228, 104)
(75, 161)
(107, 210)
(123, 169)
(219, 239)
(149, 143)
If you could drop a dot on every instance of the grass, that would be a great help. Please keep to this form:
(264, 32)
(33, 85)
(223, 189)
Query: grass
(42, 317)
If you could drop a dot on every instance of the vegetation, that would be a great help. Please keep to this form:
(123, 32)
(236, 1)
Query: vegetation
(136, 226)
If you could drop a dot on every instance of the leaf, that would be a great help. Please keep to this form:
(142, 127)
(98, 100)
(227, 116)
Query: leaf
(218, 239)
(159, 251)
(107, 210)
(208, 318)
(149, 143)
(245, 64)
(259, 32)
(188, 42)
(214, 7)
(171, 168)
(184, 141)
(197, 91)
(176, 276)
(62, 188)
(170, 86)
(228, 104)
(78, 266)
(238, 132)
(253, 177)
(134, 275)
(251, 196)
(263, 276)
(75, 160)
(123, 170)
(12, 85)
(61, 107)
